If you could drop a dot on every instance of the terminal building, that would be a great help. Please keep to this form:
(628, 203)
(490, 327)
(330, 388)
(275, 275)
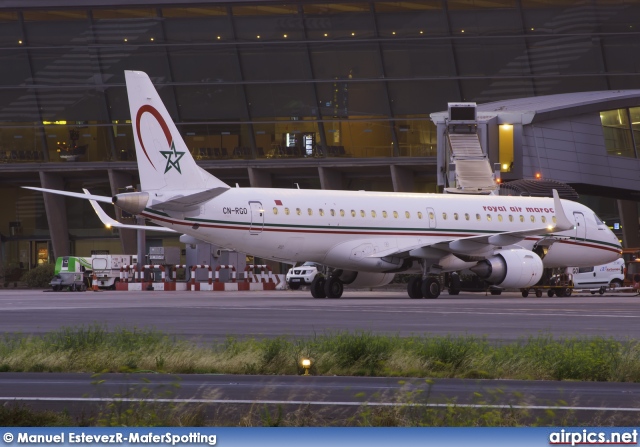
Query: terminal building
(309, 94)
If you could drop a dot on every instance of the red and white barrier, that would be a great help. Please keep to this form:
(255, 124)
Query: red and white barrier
(195, 286)
(265, 282)
(125, 280)
(180, 286)
(132, 280)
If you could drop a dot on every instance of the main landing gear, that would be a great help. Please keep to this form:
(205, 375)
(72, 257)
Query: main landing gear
(427, 288)
(329, 287)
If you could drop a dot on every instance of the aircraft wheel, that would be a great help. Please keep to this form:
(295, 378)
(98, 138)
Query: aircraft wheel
(430, 288)
(333, 287)
(525, 293)
(294, 286)
(414, 287)
(538, 293)
(550, 293)
(454, 286)
(317, 287)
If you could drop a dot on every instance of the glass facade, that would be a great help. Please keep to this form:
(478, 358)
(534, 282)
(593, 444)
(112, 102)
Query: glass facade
(620, 132)
(273, 80)
(277, 80)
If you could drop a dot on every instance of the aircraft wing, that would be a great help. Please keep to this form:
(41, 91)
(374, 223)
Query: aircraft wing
(484, 244)
(109, 222)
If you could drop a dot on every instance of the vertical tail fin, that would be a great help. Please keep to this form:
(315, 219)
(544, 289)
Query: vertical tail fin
(164, 160)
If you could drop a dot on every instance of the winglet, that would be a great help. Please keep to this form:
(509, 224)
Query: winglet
(109, 222)
(562, 221)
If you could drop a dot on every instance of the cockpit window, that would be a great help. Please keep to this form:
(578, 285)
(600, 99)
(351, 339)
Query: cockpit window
(598, 220)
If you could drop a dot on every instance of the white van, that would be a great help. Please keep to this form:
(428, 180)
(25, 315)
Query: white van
(608, 275)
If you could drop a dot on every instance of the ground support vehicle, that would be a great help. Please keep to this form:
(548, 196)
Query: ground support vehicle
(560, 285)
(72, 281)
(466, 281)
(106, 268)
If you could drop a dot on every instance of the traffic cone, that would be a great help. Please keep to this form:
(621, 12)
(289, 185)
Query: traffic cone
(94, 283)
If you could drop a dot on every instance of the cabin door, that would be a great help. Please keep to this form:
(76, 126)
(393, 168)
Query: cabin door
(581, 226)
(257, 217)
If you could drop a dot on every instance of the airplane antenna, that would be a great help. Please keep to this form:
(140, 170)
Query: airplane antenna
(237, 185)
(297, 185)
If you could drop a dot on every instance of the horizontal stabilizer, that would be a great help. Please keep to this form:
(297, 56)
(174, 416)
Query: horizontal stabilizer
(71, 194)
(109, 222)
(183, 203)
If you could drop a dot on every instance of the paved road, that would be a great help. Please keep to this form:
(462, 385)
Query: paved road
(47, 390)
(209, 316)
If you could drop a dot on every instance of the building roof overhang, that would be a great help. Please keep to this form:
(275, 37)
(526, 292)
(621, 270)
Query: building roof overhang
(543, 108)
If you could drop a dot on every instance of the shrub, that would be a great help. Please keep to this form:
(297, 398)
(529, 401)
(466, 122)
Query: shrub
(40, 276)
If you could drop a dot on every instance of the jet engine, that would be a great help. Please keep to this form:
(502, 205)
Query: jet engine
(516, 268)
(366, 279)
(131, 202)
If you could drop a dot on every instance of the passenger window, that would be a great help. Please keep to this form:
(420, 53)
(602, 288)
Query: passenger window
(533, 218)
(489, 217)
(373, 214)
(321, 212)
(499, 217)
(544, 219)
(286, 211)
(384, 214)
(444, 216)
(466, 216)
(477, 216)
(521, 218)
(554, 219)
(510, 218)
(395, 214)
(455, 216)
(310, 211)
(419, 215)
(407, 214)
(298, 211)
(275, 210)
(362, 213)
(341, 213)
(353, 213)
(333, 213)
(431, 215)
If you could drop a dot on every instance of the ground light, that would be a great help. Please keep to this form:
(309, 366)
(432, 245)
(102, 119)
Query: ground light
(306, 364)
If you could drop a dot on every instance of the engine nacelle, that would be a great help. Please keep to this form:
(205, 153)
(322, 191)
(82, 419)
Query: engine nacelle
(131, 202)
(367, 279)
(515, 268)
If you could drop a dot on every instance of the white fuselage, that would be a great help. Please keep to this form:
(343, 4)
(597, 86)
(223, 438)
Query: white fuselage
(355, 229)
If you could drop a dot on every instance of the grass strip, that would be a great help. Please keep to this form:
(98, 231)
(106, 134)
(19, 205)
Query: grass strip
(95, 348)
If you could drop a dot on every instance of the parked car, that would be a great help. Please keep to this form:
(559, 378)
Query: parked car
(303, 275)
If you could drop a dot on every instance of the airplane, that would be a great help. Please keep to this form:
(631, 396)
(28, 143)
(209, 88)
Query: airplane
(365, 238)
